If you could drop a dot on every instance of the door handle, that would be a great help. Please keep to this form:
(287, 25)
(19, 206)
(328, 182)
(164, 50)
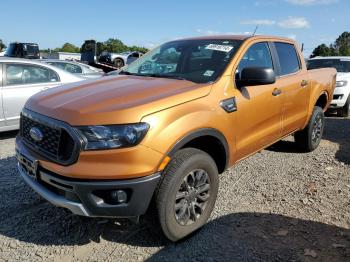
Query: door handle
(276, 92)
(304, 83)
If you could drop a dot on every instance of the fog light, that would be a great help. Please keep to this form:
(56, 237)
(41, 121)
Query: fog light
(120, 196)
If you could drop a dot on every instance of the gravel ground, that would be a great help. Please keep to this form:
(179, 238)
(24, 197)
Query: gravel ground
(278, 205)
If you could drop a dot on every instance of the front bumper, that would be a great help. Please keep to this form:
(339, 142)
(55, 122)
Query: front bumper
(86, 198)
(82, 196)
(340, 97)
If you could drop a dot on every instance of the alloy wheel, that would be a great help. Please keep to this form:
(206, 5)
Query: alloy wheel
(192, 197)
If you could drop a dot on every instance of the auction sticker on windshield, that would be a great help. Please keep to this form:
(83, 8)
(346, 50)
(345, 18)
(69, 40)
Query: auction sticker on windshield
(223, 48)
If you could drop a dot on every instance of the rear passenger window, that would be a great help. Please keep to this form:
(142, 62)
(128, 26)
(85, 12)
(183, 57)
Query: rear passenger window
(288, 58)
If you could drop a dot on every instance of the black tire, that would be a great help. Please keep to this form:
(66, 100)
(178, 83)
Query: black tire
(118, 62)
(345, 110)
(177, 177)
(310, 137)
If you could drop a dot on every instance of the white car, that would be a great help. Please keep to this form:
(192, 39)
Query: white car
(341, 96)
(79, 69)
(119, 59)
(20, 79)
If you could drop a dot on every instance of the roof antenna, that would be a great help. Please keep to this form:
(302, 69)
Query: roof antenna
(256, 29)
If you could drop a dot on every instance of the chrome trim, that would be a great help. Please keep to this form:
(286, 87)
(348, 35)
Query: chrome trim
(55, 124)
(76, 208)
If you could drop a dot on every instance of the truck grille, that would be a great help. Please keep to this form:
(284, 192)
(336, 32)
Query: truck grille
(58, 143)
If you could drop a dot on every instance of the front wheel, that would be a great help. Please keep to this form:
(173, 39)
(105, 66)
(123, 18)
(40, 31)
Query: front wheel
(310, 137)
(187, 194)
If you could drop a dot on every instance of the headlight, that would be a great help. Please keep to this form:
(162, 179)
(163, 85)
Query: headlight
(341, 83)
(113, 136)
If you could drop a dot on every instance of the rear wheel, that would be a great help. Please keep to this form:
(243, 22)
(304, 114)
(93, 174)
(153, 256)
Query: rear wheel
(187, 193)
(345, 110)
(310, 137)
(118, 62)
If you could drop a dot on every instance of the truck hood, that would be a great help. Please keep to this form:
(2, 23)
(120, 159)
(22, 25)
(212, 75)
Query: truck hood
(114, 99)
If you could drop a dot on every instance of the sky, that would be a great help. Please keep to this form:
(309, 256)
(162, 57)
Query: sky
(51, 23)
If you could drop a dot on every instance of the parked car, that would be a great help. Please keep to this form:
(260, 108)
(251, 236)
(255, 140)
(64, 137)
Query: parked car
(168, 125)
(76, 68)
(23, 50)
(341, 97)
(21, 78)
(120, 59)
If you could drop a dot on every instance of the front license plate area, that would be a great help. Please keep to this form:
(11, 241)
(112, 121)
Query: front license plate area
(28, 165)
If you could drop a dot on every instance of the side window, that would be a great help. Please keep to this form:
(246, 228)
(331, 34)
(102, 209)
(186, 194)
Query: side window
(258, 55)
(19, 74)
(136, 55)
(74, 69)
(288, 58)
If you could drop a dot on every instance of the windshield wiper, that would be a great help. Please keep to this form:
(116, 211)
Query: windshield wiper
(154, 75)
(166, 76)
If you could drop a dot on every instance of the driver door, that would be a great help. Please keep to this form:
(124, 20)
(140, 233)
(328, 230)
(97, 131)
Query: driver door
(259, 109)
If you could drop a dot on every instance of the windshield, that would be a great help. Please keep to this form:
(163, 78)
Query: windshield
(342, 66)
(199, 61)
(32, 49)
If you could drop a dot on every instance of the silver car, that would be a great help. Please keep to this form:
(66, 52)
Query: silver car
(76, 68)
(20, 79)
(119, 59)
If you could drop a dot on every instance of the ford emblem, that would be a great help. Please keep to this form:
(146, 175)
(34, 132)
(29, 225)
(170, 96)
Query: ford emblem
(36, 134)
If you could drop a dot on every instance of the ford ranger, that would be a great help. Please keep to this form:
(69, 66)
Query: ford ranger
(168, 125)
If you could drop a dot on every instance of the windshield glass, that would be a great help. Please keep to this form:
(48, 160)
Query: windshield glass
(32, 49)
(339, 64)
(199, 61)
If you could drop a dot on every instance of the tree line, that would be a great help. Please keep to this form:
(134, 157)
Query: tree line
(341, 47)
(113, 45)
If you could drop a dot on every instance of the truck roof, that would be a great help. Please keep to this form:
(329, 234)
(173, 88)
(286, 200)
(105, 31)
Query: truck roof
(330, 57)
(238, 37)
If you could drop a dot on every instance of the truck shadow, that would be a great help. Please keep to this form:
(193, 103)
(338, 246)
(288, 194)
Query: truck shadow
(337, 130)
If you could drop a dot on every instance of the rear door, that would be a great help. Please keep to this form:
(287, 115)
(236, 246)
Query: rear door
(293, 81)
(259, 110)
(20, 81)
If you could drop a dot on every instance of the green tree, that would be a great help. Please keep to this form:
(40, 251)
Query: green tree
(114, 45)
(323, 50)
(138, 49)
(68, 47)
(341, 47)
(342, 44)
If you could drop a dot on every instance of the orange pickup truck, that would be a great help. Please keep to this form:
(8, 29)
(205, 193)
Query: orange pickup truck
(168, 125)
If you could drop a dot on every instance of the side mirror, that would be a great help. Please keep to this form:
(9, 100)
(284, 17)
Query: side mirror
(252, 76)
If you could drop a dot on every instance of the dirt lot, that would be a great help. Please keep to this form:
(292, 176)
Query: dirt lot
(278, 205)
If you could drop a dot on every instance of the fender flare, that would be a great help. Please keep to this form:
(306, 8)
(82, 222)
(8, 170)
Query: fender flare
(200, 133)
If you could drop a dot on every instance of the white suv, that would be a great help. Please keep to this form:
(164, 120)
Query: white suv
(341, 96)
